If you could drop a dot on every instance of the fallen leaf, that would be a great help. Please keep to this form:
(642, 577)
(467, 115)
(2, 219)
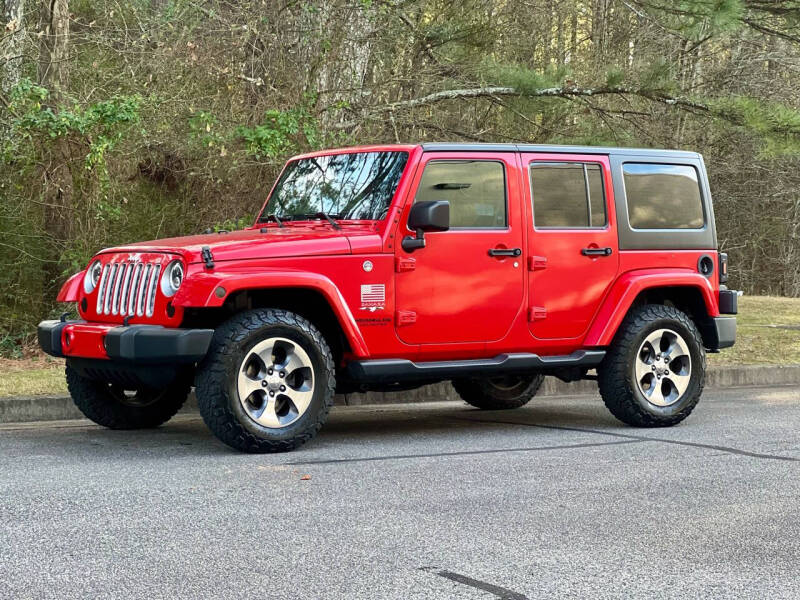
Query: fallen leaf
(305, 478)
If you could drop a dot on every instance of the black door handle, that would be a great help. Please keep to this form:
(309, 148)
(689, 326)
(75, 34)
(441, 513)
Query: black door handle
(596, 251)
(505, 252)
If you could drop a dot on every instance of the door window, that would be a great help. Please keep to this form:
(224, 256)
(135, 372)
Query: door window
(567, 195)
(475, 189)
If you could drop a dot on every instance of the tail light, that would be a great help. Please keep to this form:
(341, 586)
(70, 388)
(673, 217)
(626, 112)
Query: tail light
(723, 267)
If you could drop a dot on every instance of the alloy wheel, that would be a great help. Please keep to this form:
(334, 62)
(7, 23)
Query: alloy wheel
(663, 367)
(275, 382)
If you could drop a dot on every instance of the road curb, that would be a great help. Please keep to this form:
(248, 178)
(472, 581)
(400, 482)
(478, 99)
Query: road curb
(26, 409)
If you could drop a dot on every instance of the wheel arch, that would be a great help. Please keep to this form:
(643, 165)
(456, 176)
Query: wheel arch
(688, 291)
(310, 295)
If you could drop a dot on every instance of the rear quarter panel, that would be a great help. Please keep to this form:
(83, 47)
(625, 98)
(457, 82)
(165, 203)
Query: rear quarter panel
(642, 270)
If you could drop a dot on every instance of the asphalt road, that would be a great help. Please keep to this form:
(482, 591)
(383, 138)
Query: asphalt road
(425, 501)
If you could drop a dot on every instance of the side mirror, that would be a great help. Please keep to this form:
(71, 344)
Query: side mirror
(432, 215)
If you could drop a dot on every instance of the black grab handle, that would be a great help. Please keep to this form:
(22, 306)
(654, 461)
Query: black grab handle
(505, 252)
(596, 251)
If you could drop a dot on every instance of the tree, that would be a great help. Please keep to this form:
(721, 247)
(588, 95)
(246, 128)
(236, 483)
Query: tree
(54, 46)
(56, 172)
(12, 43)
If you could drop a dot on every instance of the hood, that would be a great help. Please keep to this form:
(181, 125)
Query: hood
(276, 242)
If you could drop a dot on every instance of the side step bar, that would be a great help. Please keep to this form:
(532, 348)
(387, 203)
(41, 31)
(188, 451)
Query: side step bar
(395, 370)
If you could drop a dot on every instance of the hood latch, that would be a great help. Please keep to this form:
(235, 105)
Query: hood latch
(208, 258)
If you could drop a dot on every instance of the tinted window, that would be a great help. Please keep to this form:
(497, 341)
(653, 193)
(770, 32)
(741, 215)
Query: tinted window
(568, 195)
(360, 185)
(476, 191)
(663, 196)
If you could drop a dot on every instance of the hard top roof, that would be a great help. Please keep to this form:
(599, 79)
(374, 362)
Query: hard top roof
(552, 149)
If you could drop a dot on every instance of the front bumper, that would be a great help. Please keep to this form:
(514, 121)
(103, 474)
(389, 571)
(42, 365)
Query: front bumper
(140, 344)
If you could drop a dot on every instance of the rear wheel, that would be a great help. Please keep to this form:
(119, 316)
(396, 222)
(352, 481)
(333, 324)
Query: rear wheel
(654, 372)
(499, 393)
(112, 406)
(267, 383)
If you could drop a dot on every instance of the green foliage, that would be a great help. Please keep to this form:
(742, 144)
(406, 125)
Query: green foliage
(205, 128)
(523, 78)
(615, 77)
(776, 125)
(234, 224)
(699, 19)
(282, 132)
(659, 76)
(101, 124)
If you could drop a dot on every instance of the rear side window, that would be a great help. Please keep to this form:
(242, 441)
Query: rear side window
(663, 196)
(475, 189)
(567, 195)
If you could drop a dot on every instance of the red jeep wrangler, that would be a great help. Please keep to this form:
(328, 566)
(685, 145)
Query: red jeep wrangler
(391, 267)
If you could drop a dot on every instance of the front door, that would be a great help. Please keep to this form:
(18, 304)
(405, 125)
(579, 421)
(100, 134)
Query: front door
(455, 289)
(573, 249)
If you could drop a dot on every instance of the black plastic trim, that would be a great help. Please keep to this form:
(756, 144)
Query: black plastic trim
(728, 302)
(719, 333)
(156, 344)
(394, 370)
(49, 335)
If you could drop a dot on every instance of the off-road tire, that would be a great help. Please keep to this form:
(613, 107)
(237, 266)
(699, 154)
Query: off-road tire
(216, 390)
(616, 378)
(106, 405)
(486, 394)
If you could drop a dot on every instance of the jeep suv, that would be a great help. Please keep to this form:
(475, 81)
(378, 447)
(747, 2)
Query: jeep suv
(391, 267)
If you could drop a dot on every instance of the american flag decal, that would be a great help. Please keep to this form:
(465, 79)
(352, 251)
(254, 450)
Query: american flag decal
(373, 294)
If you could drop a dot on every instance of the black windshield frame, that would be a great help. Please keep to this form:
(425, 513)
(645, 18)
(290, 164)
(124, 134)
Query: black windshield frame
(346, 186)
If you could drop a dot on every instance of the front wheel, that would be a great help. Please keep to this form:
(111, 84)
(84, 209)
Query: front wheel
(498, 393)
(267, 382)
(654, 372)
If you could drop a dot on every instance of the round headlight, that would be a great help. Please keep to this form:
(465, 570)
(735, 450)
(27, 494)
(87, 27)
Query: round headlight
(92, 277)
(172, 278)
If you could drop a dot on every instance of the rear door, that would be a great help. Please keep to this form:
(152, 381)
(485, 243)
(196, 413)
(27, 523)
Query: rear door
(454, 290)
(573, 250)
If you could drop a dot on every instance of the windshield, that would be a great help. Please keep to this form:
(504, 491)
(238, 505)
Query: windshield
(360, 185)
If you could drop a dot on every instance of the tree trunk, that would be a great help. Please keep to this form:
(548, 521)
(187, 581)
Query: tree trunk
(12, 43)
(54, 46)
(344, 67)
(56, 176)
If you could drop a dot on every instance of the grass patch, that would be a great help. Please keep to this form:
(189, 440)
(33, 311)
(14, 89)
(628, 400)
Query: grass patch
(33, 382)
(759, 340)
(761, 335)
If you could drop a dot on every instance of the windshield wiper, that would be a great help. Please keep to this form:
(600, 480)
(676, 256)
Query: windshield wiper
(316, 215)
(274, 217)
(328, 218)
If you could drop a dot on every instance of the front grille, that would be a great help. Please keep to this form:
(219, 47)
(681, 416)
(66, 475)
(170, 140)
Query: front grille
(128, 289)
